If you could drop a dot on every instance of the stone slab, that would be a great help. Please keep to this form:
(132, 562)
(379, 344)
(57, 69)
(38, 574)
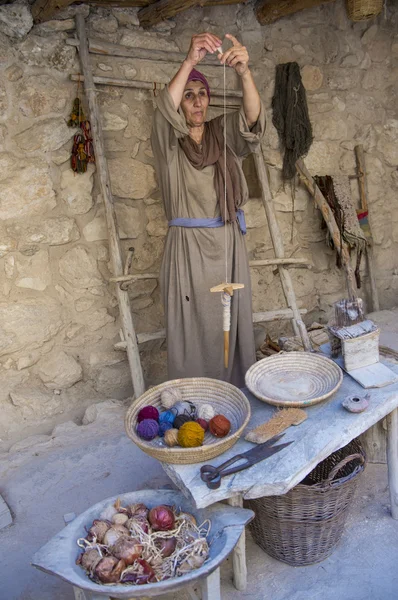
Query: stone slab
(328, 427)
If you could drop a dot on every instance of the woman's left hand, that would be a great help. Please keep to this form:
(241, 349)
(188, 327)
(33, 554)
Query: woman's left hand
(236, 57)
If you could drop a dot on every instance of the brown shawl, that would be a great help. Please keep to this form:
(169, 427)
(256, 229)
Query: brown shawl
(211, 152)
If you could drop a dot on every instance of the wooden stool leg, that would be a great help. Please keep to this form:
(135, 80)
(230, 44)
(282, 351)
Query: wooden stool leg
(211, 586)
(239, 553)
(392, 460)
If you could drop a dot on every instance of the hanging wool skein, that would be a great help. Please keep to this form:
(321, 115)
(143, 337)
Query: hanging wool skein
(226, 289)
(82, 149)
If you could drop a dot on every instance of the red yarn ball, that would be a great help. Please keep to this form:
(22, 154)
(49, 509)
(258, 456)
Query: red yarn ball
(219, 426)
(204, 424)
(148, 412)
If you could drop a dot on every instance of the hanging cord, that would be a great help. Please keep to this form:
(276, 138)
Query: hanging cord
(225, 185)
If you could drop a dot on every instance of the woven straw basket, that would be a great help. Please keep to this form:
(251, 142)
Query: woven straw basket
(361, 10)
(294, 379)
(225, 398)
(304, 526)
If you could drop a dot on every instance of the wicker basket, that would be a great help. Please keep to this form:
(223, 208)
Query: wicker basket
(361, 10)
(304, 526)
(225, 398)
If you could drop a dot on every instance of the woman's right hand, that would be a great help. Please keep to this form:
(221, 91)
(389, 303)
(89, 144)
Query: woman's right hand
(201, 44)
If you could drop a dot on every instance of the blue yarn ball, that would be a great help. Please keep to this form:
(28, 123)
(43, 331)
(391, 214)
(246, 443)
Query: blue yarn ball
(148, 429)
(163, 427)
(167, 417)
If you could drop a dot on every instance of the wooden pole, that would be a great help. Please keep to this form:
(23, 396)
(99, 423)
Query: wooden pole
(330, 221)
(105, 185)
(268, 11)
(239, 566)
(277, 241)
(392, 460)
(361, 172)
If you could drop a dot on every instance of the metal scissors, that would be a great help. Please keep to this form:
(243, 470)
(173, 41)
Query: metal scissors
(212, 475)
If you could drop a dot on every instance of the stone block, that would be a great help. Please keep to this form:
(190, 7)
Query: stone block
(35, 402)
(102, 24)
(114, 381)
(40, 95)
(151, 41)
(131, 178)
(5, 514)
(139, 126)
(59, 370)
(48, 52)
(46, 135)
(26, 192)
(157, 222)
(126, 17)
(77, 190)
(98, 319)
(112, 122)
(16, 19)
(29, 323)
(312, 77)
(33, 271)
(54, 26)
(79, 268)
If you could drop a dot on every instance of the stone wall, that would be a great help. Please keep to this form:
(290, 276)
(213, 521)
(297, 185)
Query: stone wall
(58, 314)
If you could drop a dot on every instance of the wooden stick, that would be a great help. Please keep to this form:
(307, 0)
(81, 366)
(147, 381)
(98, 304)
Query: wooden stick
(97, 46)
(147, 85)
(392, 460)
(294, 262)
(239, 552)
(361, 172)
(330, 221)
(105, 186)
(277, 241)
(268, 11)
(276, 315)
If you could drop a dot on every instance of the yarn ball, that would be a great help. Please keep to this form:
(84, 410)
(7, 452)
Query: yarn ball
(206, 412)
(180, 420)
(191, 435)
(167, 417)
(184, 408)
(171, 437)
(163, 427)
(203, 423)
(170, 396)
(148, 412)
(148, 429)
(220, 426)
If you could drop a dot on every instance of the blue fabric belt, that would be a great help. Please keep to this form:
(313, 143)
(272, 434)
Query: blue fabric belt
(214, 222)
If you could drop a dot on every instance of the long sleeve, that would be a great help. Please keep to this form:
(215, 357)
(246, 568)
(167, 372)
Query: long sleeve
(240, 137)
(168, 125)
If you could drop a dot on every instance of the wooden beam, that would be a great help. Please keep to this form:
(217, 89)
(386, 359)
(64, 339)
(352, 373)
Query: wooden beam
(268, 11)
(293, 262)
(340, 245)
(147, 85)
(43, 10)
(108, 49)
(142, 3)
(110, 215)
(163, 9)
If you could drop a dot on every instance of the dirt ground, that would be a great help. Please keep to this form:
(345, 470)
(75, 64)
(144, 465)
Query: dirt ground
(45, 477)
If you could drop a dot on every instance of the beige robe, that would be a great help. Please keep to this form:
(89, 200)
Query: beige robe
(194, 258)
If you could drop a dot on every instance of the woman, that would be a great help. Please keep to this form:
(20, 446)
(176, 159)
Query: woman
(189, 161)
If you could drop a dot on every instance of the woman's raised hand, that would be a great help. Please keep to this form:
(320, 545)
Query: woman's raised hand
(201, 44)
(237, 56)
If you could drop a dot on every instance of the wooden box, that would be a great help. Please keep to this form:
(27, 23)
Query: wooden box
(361, 351)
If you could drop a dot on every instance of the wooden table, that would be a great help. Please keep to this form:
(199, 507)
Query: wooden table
(328, 427)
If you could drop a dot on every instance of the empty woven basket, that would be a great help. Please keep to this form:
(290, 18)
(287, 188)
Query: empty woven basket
(304, 526)
(225, 398)
(361, 10)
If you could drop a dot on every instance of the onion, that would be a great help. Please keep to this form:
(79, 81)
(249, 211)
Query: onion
(191, 563)
(161, 518)
(120, 519)
(140, 522)
(113, 534)
(109, 569)
(127, 549)
(97, 530)
(90, 559)
(143, 574)
(138, 510)
(166, 546)
(187, 517)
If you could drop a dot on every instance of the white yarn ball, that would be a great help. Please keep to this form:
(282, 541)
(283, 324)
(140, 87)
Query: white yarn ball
(170, 396)
(206, 412)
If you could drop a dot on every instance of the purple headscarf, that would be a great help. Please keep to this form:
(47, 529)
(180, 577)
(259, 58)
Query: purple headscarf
(198, 76)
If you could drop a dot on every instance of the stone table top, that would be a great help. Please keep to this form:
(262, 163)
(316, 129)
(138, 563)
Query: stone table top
(328, 427)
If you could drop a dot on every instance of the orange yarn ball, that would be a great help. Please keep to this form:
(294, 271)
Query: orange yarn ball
(219, 426)
(191, 435)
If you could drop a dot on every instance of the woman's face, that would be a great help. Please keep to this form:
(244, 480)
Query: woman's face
(194, 103)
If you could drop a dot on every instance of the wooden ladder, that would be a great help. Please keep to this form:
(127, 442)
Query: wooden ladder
(121, 276)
